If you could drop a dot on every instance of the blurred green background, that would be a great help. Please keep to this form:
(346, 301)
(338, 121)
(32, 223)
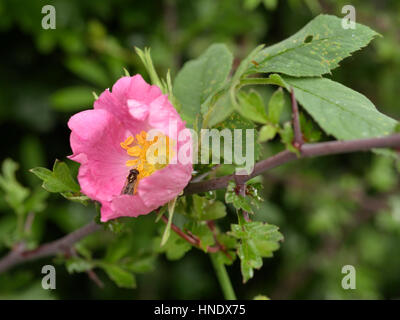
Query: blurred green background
(333, 211)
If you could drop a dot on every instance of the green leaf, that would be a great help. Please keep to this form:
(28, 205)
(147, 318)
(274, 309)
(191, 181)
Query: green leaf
(245, 64)
(311, 133)
(203, 232)
(219, 112)
(253, 191)
(275, 106)
(76, 264)
(340, 111)
(249, 259)
(15, 193)
(266, 133)
(230, 193)
(257, 240)
(175, 248)
(58, 180)
(238, 201)
(120, 276)
(214, 210)
(120, 248)
(257, 230)
(115, 225)
(72, 99)
(200, 79)
(202, 209)
(140, 265)
(287, 133)
(287, 136)
(241, 202)
(314, 50)
(238, 122)
(82, 250)
(251, 106)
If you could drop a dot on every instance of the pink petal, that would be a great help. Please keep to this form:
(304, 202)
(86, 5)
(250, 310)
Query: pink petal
(95, 142)
(131, 106)
(128, 206)
(138, 110)
(164, 185)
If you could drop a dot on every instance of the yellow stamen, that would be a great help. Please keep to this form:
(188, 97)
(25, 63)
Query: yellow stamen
(128, 141)
(131, 163)
(138, 148)
(135, 151)
(141, 138)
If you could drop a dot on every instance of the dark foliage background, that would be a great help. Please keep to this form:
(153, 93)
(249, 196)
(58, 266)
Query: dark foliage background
(332, 211)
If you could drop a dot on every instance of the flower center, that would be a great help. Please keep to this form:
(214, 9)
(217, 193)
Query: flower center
(148, 155)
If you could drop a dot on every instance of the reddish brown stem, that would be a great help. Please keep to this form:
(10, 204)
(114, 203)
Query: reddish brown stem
(298, 136)
(179, 232)
(91, 274)
(50, 249)
(307, 151)
(241, 189)
(193, 240)
(211, 226)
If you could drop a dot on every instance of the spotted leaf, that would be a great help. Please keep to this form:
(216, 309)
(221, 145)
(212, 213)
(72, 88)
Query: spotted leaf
(314, 50)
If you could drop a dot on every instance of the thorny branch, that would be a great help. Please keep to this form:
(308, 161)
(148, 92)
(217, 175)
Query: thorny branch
(19, 255)
(308, 150)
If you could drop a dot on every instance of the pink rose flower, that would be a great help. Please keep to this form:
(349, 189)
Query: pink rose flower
(112, 139)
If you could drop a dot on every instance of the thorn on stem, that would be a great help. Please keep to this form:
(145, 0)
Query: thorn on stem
(241, 190)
